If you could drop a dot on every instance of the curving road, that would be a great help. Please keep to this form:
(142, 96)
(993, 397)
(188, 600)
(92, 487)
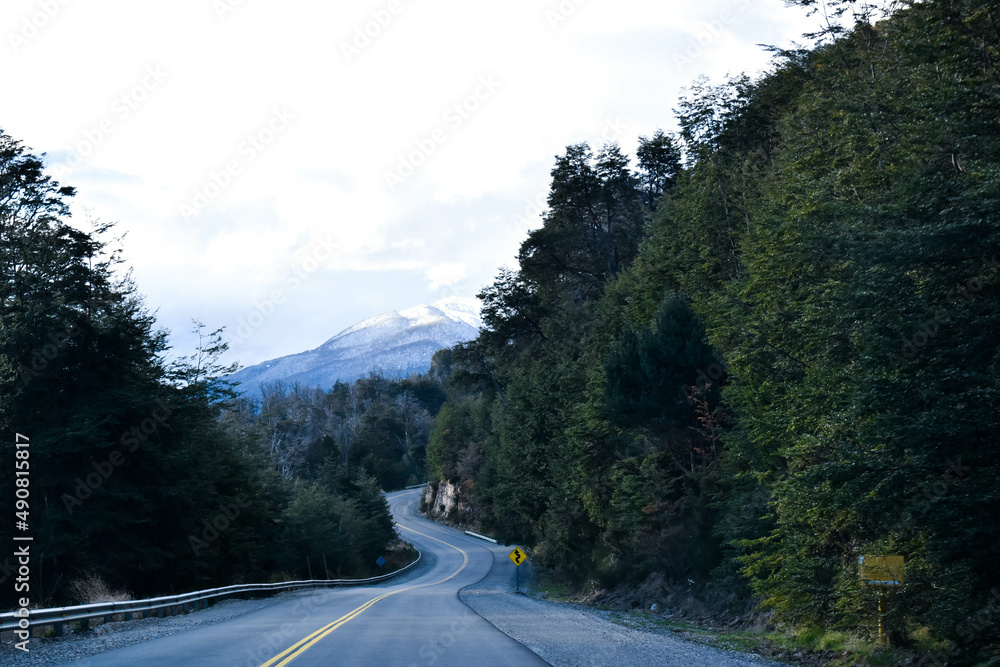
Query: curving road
(412, 621)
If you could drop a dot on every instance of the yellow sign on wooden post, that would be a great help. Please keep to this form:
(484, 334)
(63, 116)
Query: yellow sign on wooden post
(518, 557)
(881, 570)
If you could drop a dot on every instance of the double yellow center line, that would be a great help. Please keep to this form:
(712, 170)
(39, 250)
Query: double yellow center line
(304, 645)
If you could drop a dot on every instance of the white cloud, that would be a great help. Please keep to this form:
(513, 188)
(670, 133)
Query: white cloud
(445, 275)
(605, 72)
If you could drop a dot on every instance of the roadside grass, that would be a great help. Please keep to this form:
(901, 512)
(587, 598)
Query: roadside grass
(547, 586)
(794, 646)
(809, 646)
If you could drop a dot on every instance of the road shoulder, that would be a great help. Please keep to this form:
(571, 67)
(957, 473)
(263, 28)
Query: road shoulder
(569, 634)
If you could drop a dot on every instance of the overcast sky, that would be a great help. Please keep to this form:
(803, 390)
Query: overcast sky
(286, 169)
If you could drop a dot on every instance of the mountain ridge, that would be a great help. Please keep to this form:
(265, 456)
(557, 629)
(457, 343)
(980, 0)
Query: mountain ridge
(394, 343)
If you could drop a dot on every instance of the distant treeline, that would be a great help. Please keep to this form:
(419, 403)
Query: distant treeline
(769, 348)
(150, 477)
(375, 425)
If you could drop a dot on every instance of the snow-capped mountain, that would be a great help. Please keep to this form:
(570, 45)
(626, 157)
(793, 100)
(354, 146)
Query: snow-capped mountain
(397, 343)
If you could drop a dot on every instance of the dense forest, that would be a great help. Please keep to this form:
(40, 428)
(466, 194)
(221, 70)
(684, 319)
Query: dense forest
(150, 475)
(765, 346)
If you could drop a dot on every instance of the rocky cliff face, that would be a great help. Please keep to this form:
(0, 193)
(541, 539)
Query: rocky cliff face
(444, 501)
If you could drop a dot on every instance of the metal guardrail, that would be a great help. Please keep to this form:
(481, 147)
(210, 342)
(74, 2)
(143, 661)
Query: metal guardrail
(416, 486)
(170, 604)
(482, 537)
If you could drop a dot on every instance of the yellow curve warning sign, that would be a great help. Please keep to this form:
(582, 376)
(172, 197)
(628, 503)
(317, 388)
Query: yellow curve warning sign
(517, 556)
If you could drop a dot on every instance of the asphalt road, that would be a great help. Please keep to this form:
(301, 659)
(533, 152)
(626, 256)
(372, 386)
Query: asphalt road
(411, 621)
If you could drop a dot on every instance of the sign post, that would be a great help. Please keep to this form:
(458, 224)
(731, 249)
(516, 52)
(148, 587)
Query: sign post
(518, 557)
(881, 571)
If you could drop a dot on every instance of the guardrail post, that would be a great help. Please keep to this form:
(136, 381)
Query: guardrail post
(59, 629)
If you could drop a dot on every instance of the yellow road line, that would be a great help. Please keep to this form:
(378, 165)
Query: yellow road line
(305, 644)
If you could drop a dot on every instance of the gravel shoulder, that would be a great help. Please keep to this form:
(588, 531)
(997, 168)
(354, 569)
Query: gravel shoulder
(574, 635)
